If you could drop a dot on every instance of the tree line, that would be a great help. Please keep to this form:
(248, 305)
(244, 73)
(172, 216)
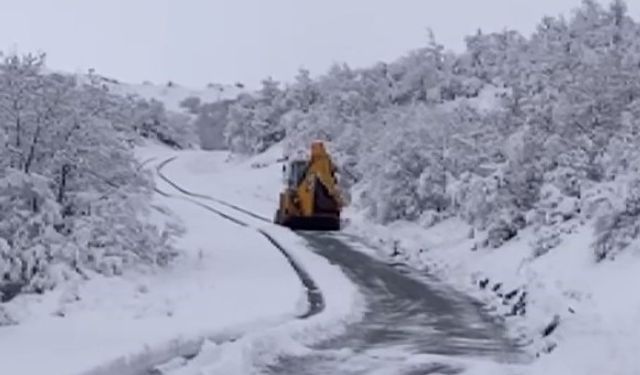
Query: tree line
(74, 200)
(513, 132)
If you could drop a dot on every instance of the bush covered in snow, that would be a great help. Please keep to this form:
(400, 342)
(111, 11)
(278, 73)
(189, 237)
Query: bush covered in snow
(72, 197)
(151, 120)
(619, 228)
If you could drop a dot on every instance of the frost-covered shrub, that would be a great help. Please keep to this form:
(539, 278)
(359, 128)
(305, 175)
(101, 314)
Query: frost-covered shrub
(550, 218)
(210, 121)
(28, 217)
(254, 122)
(504, 228)
(116, 236)
(566, 180)
(395, 190)
(546, 238)
(429, 218)
(619, 229)
(39, 248)
(5, 318)
(476, 198)
(521, 185)
(72, 196)
(151, 120)
(555, 207)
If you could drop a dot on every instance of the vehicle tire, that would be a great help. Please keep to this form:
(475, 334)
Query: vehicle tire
(278, 217)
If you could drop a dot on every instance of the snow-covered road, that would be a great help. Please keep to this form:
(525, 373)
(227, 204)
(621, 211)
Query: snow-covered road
(342, 306)
(413, 324)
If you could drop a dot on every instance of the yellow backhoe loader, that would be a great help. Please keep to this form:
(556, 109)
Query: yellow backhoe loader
(311, 199)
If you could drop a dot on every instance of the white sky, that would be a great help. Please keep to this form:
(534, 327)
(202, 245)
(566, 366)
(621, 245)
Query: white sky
(194, 42)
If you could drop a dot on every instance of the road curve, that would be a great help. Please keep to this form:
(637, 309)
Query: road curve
(148, 363)
(408, 314)
(315, 299)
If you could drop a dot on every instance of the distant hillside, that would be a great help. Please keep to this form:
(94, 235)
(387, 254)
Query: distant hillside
(172, 94)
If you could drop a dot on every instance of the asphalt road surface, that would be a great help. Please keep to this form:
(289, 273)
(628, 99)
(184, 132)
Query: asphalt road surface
(408, 315)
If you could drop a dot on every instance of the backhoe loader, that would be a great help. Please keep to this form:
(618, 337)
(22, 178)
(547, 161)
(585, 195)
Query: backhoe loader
(310, 200)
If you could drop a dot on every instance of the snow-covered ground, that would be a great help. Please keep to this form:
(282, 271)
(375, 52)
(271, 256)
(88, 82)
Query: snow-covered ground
(562, 302)
(228, 281)
(253, 183)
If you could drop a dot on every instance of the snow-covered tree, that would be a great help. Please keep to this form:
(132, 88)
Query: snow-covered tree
(72, 197)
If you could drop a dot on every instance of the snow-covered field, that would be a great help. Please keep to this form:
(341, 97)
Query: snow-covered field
(229, 280)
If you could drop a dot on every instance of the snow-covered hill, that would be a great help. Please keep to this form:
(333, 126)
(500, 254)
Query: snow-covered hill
(172, 94)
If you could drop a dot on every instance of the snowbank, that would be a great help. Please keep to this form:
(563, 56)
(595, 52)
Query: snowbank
(575, 315)
(258, 349)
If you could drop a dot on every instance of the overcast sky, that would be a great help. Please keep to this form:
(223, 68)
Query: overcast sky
(194, 42)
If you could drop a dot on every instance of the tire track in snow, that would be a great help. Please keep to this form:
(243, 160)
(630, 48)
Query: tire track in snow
(203, 196)
(147, 363)
(314, 294)
(315, 299)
